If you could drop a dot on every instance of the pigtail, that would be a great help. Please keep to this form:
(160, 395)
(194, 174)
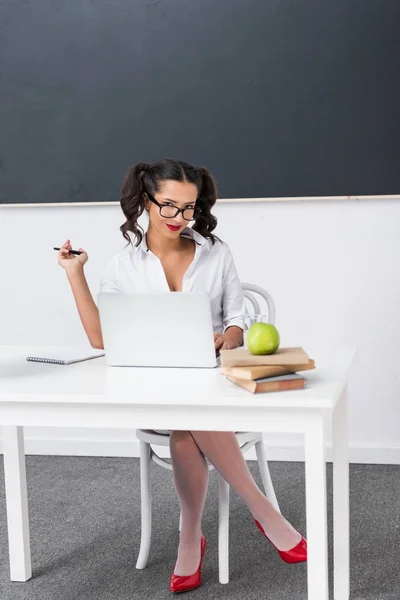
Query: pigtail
(132, 200)
(205, 222)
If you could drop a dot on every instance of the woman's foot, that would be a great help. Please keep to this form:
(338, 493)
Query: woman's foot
(280, 532)
(296, 554)
(189, 555)
(185, 583)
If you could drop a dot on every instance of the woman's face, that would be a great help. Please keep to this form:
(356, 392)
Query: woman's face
(175, 194)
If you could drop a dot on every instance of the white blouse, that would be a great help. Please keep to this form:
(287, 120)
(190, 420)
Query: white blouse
(137, 269)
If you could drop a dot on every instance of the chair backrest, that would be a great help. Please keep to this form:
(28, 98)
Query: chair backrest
(249, 290)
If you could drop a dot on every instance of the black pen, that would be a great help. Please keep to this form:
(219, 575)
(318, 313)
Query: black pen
(76, 252)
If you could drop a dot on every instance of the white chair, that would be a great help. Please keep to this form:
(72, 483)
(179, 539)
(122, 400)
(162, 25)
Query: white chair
(149, 438)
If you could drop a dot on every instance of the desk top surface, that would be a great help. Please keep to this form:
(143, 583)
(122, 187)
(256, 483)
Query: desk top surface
(94, 382)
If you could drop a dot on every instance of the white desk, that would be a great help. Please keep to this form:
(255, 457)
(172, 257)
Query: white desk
(89, 394)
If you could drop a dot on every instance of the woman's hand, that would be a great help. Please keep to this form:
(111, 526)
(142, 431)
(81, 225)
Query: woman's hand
(69, 261)
(222, 343)
(231, 338)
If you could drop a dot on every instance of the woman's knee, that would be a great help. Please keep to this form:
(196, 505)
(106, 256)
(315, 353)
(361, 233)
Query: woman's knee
(181, 441)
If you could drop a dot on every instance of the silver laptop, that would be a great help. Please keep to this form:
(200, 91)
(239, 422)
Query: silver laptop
(168, 329)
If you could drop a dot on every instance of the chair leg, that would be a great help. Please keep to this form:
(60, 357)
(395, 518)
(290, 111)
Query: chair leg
(145, 505)
(223, 531)
(265, 474)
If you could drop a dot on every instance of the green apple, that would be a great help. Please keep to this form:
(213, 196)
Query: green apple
(262, 338)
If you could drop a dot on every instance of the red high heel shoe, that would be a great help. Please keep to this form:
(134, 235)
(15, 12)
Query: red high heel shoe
(295, 555)
(185, 583)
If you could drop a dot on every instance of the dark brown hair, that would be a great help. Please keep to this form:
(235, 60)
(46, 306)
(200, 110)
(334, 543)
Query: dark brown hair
(143, 177)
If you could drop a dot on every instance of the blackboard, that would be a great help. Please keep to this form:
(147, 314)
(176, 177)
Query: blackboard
(276, 97)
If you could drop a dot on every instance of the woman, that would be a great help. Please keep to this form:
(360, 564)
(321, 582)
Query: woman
(172, 256)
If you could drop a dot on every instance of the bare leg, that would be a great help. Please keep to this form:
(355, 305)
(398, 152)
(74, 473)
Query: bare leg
(223, 451)
(191, 482)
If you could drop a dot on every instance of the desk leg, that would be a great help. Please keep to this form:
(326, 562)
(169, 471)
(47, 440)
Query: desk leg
(17, 503)
(316, 510)
(341, 521)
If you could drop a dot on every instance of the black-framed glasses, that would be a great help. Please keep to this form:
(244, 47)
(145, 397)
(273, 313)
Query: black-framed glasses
(168, 211)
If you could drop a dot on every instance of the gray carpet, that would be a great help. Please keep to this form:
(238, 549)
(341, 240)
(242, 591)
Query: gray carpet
(85, 523)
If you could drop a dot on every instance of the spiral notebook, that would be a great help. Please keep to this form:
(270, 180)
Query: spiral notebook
(66, 355)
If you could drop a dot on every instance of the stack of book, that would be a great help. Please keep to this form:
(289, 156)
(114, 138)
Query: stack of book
(266, 373)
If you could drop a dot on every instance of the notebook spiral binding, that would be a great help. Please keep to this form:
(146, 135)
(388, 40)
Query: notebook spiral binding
(46, 360)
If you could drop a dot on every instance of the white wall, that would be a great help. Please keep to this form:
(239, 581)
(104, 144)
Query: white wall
(333, 268)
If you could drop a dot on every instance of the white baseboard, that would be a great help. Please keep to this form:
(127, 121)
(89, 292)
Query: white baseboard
(130, 448)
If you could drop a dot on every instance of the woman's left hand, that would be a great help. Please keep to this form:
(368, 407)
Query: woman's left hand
(222, 343)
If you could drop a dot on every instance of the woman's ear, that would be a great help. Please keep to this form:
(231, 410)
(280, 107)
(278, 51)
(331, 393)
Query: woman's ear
(146, 202)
